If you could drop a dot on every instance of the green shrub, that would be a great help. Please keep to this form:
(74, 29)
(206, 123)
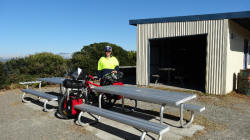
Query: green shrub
(3, 76)
(34, 66)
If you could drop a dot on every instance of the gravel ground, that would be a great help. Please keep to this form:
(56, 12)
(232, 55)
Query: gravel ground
(21, 121)
(225, 117)
(230, 117)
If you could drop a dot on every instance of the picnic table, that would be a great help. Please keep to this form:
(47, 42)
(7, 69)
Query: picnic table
(161, 97)
(40, 94)
(156, 96)
(168, 70)
(54, 80)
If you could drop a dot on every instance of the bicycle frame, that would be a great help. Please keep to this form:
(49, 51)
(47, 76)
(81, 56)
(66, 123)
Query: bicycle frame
(89, 83)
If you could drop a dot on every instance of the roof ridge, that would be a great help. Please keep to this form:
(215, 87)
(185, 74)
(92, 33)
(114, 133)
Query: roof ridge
(215, 16)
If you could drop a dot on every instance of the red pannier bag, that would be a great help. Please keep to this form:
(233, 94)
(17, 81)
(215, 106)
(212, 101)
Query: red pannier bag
(69, 105)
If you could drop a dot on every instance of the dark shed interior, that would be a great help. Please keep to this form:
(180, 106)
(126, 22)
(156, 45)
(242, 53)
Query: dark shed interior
(179, 61)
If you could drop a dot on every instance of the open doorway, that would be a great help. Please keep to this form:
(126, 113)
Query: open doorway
(179, 61)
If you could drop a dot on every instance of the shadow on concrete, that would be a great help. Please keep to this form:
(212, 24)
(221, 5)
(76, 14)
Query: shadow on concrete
(146, 114)
(41, 103)
(112, 130)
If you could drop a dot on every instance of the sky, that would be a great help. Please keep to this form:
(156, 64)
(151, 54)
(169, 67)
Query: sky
(65, 26)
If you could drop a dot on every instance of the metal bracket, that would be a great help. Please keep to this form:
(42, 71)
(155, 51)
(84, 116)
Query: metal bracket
(161, 113)
(45, 108)
(86, 124)
(23, 100)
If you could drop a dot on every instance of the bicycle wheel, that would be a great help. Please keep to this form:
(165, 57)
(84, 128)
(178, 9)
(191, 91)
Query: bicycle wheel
(62, 107)
(66, 105)
(108, 100)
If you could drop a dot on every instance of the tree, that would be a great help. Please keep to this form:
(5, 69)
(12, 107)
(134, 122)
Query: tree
(34, 66)
(132, 58)
(3, 76)
(46, 64)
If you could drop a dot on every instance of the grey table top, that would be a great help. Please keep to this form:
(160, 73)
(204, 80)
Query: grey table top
(167, 69)
(55, 80)
(148, 95)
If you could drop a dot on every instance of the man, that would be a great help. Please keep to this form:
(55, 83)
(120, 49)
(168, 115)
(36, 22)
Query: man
(107, 64)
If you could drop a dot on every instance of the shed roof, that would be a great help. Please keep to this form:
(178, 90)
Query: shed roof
(243, 18)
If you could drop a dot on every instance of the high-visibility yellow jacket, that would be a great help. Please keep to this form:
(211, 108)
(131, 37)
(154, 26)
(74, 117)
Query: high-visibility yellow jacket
(107, 65)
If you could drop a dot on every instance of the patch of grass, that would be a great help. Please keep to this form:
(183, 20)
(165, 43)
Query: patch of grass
(208, 126)
(180, 90)
(201, 120)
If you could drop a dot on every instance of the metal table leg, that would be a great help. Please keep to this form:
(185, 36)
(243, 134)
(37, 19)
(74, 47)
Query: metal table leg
(86, 124)
(67, 92)
(159, 137)
(168, 76)
(40, 86)
(100, 101)
(85, 91)
(181, 117)
(44, 106)
(143, 135)
(122, 102)
(135, 106)
(161, 113)
(61, 88)
(100, 104)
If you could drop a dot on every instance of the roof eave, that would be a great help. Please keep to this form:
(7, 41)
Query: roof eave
(232, 15)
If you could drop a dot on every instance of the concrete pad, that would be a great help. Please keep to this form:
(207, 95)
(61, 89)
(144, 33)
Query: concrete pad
(110, 130)
(186, 131)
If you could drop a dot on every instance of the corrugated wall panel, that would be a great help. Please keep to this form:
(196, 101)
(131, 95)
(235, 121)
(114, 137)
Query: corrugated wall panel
(216, 45)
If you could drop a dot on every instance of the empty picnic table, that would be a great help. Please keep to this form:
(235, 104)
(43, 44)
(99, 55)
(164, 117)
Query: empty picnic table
(168, 70)
(40, 94)
(53, 80)
(156, 96)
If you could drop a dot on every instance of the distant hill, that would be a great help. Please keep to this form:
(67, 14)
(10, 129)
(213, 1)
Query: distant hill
(3, 59)
(65, 55)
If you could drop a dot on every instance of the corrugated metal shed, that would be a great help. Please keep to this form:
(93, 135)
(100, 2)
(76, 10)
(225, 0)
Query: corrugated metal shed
(214, 25)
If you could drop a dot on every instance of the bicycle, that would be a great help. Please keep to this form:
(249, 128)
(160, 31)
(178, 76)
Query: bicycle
(79, 90)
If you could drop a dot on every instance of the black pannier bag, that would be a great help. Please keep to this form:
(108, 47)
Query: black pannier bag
(68, 83)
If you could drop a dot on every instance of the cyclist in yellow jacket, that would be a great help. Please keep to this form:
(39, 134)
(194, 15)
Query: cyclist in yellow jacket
(107, 64)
